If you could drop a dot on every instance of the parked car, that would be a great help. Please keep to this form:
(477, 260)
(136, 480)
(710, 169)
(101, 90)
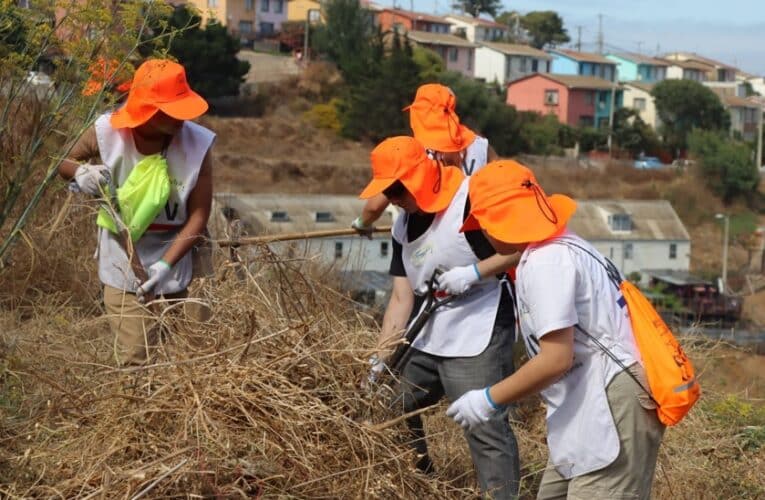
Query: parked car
(648, 162)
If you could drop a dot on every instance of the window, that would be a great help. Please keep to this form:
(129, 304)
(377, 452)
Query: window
(586, 121)
(628, 250)
(324, 217)
(267, 28)
(383, 249)
(263, 6)
(639, 103)
(673, 250)
(279, 6)
(280, 216)
(620, 222)
(470, 60)
(534, 65)
(212, 3)
(454, 54)
(338, 249)
(551, 97)
(249, 4)
(245, 27)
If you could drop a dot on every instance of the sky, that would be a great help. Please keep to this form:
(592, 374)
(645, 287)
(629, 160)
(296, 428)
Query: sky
(732, 31)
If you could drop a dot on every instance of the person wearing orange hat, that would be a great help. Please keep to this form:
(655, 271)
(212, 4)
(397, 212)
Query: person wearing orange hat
(436, 125)
(153, 120)
(466, 345)
(602, 428)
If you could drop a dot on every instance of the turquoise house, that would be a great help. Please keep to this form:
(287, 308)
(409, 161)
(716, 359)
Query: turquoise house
(639, 68)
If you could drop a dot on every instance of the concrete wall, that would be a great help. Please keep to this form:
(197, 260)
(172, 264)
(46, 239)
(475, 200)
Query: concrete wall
(297, 10)
(357, 254)
(563, 65)
(529, 95)
(272, 14)
(465, 62)
(490, 65)
(628, 70)
(649, 114)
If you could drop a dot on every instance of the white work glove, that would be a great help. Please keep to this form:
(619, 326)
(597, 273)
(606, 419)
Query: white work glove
(158, 272)
(90, 178)
(457, 280)
(377, 367)
(472, 409)
(363, 230)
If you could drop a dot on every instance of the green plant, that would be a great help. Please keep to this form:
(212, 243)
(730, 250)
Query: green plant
(325, 115)
(725, 165)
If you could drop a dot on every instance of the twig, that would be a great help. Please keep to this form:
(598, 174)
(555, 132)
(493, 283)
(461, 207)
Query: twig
(390, 423)
(160, 478)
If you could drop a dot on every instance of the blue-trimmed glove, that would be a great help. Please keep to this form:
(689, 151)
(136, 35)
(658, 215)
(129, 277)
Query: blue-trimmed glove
(363, 229)
(473, 408)
(158, 272)
(457, 280)
(89, 178)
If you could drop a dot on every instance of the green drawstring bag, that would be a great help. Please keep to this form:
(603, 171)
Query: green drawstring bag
(141, 198)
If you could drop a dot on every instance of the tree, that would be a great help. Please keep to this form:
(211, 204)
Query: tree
(209, 55)
(725, 165)
(683, 105)
(545, 28)
(632, 134)
(430, 63)
(476, 7)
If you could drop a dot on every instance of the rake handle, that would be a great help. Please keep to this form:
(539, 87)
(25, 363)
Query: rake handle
(295, 236)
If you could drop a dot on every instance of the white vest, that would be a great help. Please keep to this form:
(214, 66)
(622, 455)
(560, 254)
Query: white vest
(185, 154)
(464, 327)
(476, 155)
(581, 432)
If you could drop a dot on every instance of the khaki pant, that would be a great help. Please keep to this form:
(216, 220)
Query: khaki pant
(134, 325)
(630, 476)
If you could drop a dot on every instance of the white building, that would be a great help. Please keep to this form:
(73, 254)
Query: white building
(505, 62)
(266, 214)
(686, 70)
(636, 236)
(476, 29)
(637, 96)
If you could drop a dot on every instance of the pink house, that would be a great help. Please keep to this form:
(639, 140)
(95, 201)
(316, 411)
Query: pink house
(458, 54)
(576, 100)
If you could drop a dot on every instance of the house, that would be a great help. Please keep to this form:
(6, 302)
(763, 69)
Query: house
(735, 89)
(264, 214)
(575, 100)
(744, 119)
(716, 71)
(407, 20)
(637, 96)
(637, 67)
(757, 83)
(239, 16)
(505, 62)
(476, 29)
(570, 62)
(271, 14)
(297, 10)
(686, 70)
(636, 235)
(457, 53)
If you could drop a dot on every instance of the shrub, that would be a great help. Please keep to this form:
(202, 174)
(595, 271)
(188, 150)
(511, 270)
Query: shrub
(324, 115)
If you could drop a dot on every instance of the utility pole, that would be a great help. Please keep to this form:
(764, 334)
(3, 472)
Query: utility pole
(611, 113)
(639, 46)
(726, 218)
(578, 38)
(600, 33)
(758, 156)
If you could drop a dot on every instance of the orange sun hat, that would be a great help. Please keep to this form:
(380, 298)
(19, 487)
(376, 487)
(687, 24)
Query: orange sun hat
(404, 159)
(434, 121)
(508, 203)
(159, 85)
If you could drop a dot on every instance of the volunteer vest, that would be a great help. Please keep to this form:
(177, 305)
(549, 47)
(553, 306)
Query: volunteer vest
(464, 327)
(581, 433)
(185, 154)
(476, 156)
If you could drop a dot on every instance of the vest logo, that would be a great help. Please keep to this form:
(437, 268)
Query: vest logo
(171, 213)
(418, 256)
(468, 169)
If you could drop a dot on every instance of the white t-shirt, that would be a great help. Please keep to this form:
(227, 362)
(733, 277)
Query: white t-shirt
(560, 285)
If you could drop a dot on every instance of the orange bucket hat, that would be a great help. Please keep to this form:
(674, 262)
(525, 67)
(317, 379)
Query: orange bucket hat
(404, 159)
(507, 201)
(158, 85)
(435, 122)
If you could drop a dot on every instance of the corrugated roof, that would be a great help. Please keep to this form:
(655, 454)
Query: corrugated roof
(644, 86)
(295, 213)
(641, 59)
(673, 277)
(417, 16)
(476, 21)
(651, 220)
(516, 49)
(439, 39)
(583, 56)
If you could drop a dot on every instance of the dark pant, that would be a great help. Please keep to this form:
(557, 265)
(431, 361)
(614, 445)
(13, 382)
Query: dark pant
(427, 378)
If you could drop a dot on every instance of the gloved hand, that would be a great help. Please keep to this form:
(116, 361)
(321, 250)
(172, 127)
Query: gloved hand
(90, 178)
(472, 409)
(157, 274)
(377, 366)
(457, 280)
(363, 230)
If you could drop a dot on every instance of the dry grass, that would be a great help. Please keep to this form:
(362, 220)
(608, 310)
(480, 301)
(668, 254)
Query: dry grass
(262, 401)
